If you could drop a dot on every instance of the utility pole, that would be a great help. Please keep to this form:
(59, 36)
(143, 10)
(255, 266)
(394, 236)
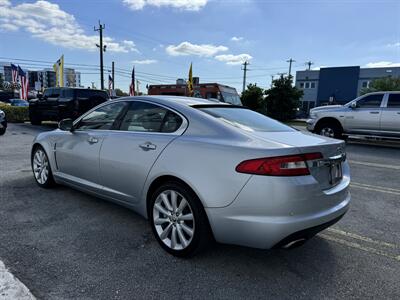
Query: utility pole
(309, 63)
(245, 64)
(272, 80)
(290, 61)
(102, 49)
(112, 75)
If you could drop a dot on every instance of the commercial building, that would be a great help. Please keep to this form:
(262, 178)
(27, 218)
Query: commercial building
(41, 79)
(337, 84)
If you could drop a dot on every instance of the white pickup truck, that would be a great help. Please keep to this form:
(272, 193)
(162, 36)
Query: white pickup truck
(374, 114)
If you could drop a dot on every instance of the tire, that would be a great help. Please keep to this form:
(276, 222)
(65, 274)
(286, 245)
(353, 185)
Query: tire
(182, 233)
(330, 129)
(41, 168)
(35, 120)
(2, 131)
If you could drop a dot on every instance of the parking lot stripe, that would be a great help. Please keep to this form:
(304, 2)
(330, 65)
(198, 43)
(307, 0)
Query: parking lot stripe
(375, 188)
(369, 164)
(359, 247)
(361, 238)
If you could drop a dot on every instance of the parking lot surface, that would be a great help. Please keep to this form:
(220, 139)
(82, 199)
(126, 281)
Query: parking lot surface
(63, 244)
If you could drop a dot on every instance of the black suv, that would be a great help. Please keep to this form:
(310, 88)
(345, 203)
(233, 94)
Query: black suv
(62, 103)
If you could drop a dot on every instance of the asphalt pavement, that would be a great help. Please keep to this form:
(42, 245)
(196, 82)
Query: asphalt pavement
(63, 244)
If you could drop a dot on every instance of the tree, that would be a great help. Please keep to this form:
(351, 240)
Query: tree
(120, 93)
(253, 98)
(383, 84)
(283, 99)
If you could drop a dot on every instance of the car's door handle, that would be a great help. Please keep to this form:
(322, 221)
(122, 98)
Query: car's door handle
(92, 140)
(148, 146)
(374, 112)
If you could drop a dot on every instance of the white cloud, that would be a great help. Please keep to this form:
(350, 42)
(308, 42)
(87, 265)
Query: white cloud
(47, 21)
(193, 5)
(8, 27)
(237, 39)
(187, 48)
(382, 64)
(393, 45)
(145, 62)
(231, 59)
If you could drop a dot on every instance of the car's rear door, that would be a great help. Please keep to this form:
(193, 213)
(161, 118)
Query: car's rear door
(127, 155)
(365, 118)
(77, 152)
(390, 120)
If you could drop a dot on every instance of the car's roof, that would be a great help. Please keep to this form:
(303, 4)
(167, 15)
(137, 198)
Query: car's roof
(176, 100)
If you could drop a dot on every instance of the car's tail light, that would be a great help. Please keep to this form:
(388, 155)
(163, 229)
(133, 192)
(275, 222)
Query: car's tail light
(290, 165)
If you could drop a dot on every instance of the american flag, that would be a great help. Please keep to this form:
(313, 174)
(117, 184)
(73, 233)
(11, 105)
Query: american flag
(110, 84)
(14, 73)
(24, 81)
(132, 85)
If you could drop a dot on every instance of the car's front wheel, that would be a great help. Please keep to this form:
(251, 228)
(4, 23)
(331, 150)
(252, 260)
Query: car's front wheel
(41, 168)
(178, 220)
(330, 129)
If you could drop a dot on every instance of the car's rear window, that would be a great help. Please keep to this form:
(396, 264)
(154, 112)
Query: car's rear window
(245, 119)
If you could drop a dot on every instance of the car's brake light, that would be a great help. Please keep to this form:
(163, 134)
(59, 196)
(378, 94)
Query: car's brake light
(290, 165)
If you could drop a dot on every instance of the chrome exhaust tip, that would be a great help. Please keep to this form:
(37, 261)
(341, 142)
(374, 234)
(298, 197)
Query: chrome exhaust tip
(294, 243)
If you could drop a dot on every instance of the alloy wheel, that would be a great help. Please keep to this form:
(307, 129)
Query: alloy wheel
(173, 220)
(327, 131)
(41, 166)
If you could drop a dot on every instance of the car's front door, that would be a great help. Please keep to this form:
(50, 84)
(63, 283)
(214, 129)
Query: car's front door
(127, 155)
(77, 152)
(390, 120)
(49, 104)
(365, 117)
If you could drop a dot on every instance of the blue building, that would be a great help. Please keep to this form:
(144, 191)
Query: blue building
(337, 84)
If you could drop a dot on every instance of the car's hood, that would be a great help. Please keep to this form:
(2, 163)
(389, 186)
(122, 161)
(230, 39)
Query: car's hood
(326, 107)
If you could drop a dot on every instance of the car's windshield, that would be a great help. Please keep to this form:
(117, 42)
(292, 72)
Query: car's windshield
(231, 98)
(246, 119)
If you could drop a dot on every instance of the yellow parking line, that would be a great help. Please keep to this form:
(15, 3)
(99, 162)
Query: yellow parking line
(369, 164)
(359, 247)
(361, 238)
(375, 188)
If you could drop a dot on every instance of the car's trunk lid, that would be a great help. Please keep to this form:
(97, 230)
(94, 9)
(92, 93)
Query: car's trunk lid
(324, 170)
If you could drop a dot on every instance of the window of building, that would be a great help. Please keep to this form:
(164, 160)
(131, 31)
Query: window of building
(365, 84)
(307, 85)
(313, 85)
(302, 85)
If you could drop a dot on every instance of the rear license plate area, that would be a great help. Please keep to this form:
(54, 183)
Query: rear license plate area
(336, 174)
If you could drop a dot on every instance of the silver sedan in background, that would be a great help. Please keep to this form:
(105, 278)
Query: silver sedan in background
(200, 171)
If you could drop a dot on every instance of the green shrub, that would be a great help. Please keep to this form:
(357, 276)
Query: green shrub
(15, 114)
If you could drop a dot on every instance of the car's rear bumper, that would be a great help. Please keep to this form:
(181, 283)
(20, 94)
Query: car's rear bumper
(262, 216)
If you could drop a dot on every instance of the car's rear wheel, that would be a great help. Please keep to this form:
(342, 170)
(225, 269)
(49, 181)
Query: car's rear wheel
(178, 220)
(2, 131)
(41, 168)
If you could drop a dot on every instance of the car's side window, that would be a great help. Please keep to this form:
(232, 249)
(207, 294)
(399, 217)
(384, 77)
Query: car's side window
(371, 101)
(394, 101)
(102, 118)
(147, 117)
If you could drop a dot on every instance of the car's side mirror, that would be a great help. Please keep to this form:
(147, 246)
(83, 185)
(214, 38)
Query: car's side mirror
(353, 105)
(66, 125)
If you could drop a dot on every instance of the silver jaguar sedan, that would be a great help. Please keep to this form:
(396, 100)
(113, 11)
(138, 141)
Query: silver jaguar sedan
(200, 171)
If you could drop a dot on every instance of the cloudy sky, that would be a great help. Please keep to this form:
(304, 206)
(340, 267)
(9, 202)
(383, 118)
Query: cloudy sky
(162, 37)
